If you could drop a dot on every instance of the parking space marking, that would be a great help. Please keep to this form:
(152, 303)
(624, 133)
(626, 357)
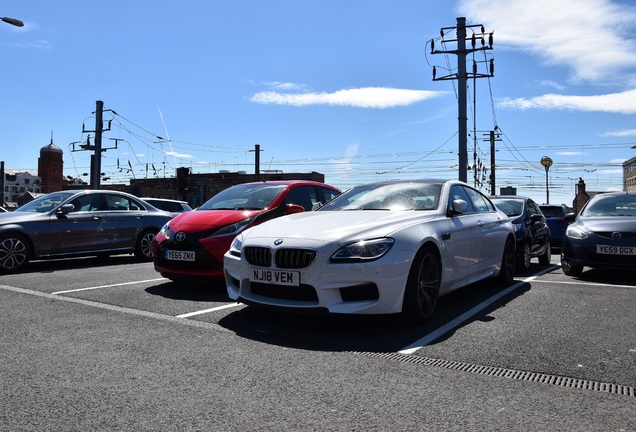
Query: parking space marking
(120, 309)
(214, 309)
(586, 283)
(107, 286)
(421, 343)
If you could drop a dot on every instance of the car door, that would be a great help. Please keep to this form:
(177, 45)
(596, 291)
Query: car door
(83, 229)
(537, 227)
(459, 240)
(489, 236)
(125, 220)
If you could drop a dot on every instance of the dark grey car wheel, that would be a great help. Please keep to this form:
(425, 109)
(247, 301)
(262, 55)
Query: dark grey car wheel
(545, 258)
(523, 261)
(422, 286)
(570, 269)
(15, 252)
(143, 249)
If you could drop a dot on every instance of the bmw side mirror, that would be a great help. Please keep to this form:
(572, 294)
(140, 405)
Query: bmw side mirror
(458, 206)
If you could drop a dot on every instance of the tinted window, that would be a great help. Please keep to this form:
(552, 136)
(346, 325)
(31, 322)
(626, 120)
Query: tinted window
(121, 202)
(305, 196)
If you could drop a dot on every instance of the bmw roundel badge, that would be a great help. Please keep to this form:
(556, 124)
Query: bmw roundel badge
(278, 242)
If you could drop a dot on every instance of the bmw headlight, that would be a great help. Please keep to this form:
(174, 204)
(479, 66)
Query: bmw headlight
(236, 246)
(363, 250)
(232, 229)
(575, 233)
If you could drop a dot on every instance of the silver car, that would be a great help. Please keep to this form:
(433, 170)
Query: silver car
(78, 223)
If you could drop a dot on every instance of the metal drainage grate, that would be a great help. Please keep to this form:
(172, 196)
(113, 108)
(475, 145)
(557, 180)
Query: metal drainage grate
(509, 373)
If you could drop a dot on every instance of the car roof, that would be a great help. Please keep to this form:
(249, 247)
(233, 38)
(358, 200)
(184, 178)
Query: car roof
(162, 199)
(517, 197)
(286, 182)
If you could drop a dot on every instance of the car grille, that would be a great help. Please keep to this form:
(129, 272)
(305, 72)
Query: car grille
(284, 259)
(608, 234)
(258, 256)
(294, 258)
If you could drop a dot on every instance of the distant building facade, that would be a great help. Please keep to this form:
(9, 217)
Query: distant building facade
(18, 183)
(629, 175)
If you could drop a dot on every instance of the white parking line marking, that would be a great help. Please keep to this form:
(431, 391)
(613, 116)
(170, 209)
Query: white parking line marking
(121, 309)
(466, 315)
(218, 308)
(107, 286)
(586, 284)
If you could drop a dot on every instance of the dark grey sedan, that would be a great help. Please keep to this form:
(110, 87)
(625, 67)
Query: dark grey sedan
(602, 235)
(78, 223)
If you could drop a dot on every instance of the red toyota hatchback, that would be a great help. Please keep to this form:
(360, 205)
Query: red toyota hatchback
(191, 246)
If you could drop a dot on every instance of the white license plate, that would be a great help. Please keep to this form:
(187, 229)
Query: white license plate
(174, 255)
(275, 277)
(615, 250)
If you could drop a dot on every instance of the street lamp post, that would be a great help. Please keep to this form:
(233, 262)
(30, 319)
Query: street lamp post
(12, 21)
(547, 163)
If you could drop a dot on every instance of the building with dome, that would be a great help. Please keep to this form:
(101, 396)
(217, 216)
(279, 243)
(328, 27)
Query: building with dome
(51, 168)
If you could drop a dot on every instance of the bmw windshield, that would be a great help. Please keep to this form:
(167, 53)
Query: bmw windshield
(388, 196)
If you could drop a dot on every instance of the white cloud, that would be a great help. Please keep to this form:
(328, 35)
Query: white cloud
(619, 103)
(594, 38)
(553, 84)
(620, 133)
(178, 155)
(367, 97)
(40, 45)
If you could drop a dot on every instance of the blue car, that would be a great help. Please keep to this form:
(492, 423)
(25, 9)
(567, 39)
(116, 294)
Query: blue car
(555, 216)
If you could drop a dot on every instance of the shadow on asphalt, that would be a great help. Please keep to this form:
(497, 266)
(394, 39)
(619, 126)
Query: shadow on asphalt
(204, 291)
(608, 276)
(49, 266)
(365, 333)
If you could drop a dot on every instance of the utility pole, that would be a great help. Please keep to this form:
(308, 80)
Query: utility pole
(462, 76)
(97, 148)
(257, 161)
(493, 138)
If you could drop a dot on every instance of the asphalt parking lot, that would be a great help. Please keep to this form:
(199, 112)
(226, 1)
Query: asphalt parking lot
(111, 345)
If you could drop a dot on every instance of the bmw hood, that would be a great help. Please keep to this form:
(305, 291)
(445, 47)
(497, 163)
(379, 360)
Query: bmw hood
(337, 226)
(208, 219)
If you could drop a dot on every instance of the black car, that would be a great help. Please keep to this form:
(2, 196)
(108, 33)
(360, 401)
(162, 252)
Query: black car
(78, 223)
(555, 215)
(531, 229)
(602, 235)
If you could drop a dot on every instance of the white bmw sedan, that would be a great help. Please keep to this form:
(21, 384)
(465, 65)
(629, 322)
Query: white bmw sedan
(382, 248)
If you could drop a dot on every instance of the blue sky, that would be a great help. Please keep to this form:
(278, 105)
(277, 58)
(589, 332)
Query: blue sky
(335, 86)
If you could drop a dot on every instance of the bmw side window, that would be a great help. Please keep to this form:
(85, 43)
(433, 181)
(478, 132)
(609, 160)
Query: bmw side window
(458, 192)
(479, 203)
